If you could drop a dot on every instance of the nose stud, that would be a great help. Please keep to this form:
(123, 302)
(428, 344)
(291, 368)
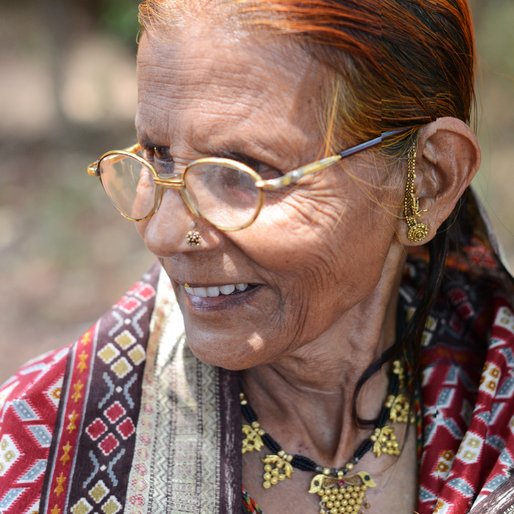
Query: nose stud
(193, 237)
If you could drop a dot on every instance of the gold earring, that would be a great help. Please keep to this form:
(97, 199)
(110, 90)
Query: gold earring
(193, 237)
(417, 231)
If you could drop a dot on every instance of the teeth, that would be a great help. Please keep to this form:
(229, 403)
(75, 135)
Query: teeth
(227, 289)
(214, 291)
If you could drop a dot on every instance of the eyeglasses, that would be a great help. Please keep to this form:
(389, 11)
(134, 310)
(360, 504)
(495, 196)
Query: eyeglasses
(225, 192)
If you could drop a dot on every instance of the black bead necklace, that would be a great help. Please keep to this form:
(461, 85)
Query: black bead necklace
(340, 491)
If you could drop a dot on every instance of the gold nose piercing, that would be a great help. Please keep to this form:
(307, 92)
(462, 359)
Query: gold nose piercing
(193, 238)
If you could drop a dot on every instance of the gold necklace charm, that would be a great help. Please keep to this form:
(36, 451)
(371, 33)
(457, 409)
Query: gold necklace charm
(342, 494)
(384, 441)
(339, 491)
(399, 408)
(276, 468)
(252, 440)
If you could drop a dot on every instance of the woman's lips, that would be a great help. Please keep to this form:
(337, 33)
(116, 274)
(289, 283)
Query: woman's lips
(213, 291)
(219, 297)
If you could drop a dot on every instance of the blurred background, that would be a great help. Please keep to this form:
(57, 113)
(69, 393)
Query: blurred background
(68, 93)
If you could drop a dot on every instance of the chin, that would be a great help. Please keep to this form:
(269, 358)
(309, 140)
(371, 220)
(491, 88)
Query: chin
(219, 360)
(230, 355)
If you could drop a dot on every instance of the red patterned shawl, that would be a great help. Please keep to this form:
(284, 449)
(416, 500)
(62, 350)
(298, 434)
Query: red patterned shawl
(72, 425)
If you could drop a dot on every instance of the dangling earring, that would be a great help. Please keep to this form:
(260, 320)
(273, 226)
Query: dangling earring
(417, 231)
(193, 237)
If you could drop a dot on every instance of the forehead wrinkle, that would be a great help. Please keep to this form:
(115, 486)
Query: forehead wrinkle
(220, 124)
(221, 90)
(194, 98)
(210, 107)
(199, 67)
(256, 131)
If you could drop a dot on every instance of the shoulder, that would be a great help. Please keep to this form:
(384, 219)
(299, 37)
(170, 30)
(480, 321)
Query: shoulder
(40, 378)
(49, 394)
(33, 371)
(29, 401)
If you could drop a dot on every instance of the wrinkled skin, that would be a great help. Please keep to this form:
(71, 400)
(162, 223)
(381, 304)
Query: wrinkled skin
(327, 255)
(310, 244)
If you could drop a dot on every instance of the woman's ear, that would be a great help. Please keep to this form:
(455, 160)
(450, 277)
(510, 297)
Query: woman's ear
(447, 158)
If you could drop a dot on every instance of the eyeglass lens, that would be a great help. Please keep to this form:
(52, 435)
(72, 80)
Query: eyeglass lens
(225, 196)
(129, 184)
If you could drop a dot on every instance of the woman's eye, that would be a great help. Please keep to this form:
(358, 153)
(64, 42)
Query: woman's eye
(162, 153)
(264, 170)
(267, 172)
(161, 159)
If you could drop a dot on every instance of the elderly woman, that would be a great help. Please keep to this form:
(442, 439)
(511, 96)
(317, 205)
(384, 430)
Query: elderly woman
(329, 329)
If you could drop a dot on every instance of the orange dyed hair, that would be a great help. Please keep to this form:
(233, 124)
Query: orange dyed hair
(397, 63)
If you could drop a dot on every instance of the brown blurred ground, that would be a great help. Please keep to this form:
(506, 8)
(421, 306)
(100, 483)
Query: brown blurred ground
(67, 93)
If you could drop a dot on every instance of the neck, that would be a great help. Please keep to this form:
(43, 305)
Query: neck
(305, 400)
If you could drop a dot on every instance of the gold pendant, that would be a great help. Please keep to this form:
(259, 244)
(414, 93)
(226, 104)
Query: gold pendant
(384, 441)
(276, 468)
(399, 405)
(252, 441)
(399, 408)
(346, 495)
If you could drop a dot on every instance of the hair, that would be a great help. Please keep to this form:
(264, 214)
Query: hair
(396, 64)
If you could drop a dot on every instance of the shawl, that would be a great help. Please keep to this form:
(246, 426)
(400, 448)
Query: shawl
(128, 420)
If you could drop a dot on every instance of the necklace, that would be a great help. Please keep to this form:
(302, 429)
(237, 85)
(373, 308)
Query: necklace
(340, 490)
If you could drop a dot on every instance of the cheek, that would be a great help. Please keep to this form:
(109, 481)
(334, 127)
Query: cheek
(314, 232)
(315, 247)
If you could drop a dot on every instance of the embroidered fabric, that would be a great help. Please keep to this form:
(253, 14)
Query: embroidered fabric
(249, 504)
(467, 387)
(72, 422)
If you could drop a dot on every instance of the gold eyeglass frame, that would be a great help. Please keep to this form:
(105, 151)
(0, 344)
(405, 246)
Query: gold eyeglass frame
(177, 182)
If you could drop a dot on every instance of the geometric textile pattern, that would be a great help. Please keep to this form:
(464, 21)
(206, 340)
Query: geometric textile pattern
(467, 392)
(28, 409)
(86, 399)
(468, 371)
(184, 459)
(92, 449)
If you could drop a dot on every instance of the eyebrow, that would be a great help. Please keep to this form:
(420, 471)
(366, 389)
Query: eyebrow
(240, 157)
(250, 150)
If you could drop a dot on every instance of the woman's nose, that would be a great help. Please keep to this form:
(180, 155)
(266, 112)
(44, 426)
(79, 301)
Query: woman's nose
(167, 232)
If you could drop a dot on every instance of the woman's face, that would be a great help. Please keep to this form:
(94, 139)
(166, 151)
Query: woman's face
(315, 257)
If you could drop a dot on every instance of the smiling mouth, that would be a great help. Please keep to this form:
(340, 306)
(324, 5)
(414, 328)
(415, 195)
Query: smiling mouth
(221, 290)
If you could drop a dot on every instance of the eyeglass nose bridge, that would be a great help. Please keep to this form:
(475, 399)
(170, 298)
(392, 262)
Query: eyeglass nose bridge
(178, 184)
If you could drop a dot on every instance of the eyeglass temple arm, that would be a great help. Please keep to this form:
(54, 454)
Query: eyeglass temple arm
(295, 175)
(92, 168)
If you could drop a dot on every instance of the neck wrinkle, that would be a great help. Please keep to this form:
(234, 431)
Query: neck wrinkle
(304, 401)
